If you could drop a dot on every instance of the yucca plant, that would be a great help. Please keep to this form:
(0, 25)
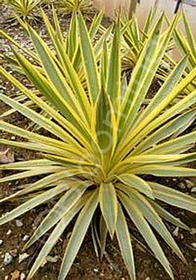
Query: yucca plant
(186, 44)
(25, 9)
(63, 47)
(67, 7)
(70, 44)
(134, 41)
(100, 144)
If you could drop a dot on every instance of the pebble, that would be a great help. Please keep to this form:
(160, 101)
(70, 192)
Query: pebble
(95, 270)
(9, 232)
(193, 231)
(148, 278)
(181, 236)
(19, 223)
(14, 252)
(6, 277)
(189, 184)
(1, 241)
(22, 276)
(22, 257)
(193, 189)
(52, 259)
(8, 258)
(176, 231)
(193, 244)
(15, 275)
(25, 238)
(182, 186)
(194, 259)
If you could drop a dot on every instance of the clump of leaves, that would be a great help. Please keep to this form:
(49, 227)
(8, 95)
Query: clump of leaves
(134, 40)
(70, 45)
(70, 6)
(100, 144)
(25, 9)
(186, 43)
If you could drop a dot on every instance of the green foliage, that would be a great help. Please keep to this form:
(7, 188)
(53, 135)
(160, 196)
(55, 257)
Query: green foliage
(186, 44)
(25, 9)
(69, 45)
(70, 6)
(134, 40)
(101, 141)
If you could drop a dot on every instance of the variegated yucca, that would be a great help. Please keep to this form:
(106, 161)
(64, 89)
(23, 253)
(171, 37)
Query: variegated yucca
(101, 141)
(186, 43)
(134, 41)
(70, 6)
(70, 44)
(25, 9)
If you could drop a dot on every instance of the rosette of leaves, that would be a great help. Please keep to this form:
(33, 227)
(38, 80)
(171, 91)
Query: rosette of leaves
(69, 44)
(25, 9)
(67, 7)
(99, 146)
(134, 41)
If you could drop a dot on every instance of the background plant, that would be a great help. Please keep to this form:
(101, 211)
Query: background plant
(134, 41)
(63, 47)
(25, 9)
(69, 6)
(185, 45)
(100, 144)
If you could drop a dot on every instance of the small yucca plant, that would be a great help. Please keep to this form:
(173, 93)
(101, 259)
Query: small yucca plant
(25, 9)
(186, 44)
(103, 144)
(70, 6)
(70, 45)
(134, 41)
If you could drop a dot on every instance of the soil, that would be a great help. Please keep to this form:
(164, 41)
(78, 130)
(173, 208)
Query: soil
(86, 266)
